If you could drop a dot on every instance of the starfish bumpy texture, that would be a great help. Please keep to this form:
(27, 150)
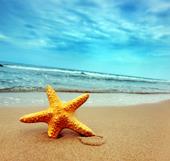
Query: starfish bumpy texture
(60, 115)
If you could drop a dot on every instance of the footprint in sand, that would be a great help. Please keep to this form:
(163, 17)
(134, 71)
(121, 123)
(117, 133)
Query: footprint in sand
(93, 140)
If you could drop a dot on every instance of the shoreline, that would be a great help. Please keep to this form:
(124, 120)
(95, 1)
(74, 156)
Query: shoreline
(39, 99)
(138, 132)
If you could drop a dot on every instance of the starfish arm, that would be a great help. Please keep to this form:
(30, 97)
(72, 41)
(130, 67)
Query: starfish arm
(54, 128)
(79, 127)
(72, 105)
(42, 116)
(53, 97)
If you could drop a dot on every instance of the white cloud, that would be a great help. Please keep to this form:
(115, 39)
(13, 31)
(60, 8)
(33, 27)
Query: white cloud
(158, 6)
(4, 37)
(36, 43)
(24, 43)
(58, 22)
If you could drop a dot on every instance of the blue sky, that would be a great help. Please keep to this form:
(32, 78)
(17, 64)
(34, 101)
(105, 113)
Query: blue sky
(130, 37)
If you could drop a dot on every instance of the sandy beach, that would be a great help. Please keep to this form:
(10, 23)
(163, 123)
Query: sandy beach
(134, 133)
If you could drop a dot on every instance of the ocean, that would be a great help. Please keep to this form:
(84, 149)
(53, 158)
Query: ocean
(27, 78)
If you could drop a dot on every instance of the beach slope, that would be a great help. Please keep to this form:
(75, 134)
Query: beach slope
(136, 133)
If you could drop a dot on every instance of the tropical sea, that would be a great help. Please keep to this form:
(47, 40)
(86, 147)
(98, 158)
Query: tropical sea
(27, 78)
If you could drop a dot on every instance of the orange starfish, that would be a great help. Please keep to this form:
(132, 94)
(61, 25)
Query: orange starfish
(60, 115)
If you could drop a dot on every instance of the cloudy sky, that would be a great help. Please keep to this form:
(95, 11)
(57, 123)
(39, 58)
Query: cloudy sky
(130, 37)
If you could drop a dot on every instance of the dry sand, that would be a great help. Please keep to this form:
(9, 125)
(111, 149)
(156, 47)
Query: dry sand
(136, 133)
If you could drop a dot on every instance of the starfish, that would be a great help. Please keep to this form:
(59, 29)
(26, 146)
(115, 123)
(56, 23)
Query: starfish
(60, 115)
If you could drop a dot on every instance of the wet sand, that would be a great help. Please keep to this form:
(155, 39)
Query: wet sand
(39, 99)
(134, 133)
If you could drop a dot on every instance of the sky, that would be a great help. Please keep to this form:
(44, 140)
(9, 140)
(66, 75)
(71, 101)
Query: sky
(129, 37)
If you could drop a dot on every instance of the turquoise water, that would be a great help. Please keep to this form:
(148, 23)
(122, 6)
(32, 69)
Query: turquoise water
(20, 77)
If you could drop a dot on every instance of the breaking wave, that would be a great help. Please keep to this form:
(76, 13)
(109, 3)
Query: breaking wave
(20, 78)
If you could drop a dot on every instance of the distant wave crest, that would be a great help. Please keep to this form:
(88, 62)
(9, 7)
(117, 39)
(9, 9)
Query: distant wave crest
(88, 74)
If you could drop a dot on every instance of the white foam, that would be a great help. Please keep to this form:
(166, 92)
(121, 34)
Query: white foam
(41, 69)
(39, 99)
(123, 78)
